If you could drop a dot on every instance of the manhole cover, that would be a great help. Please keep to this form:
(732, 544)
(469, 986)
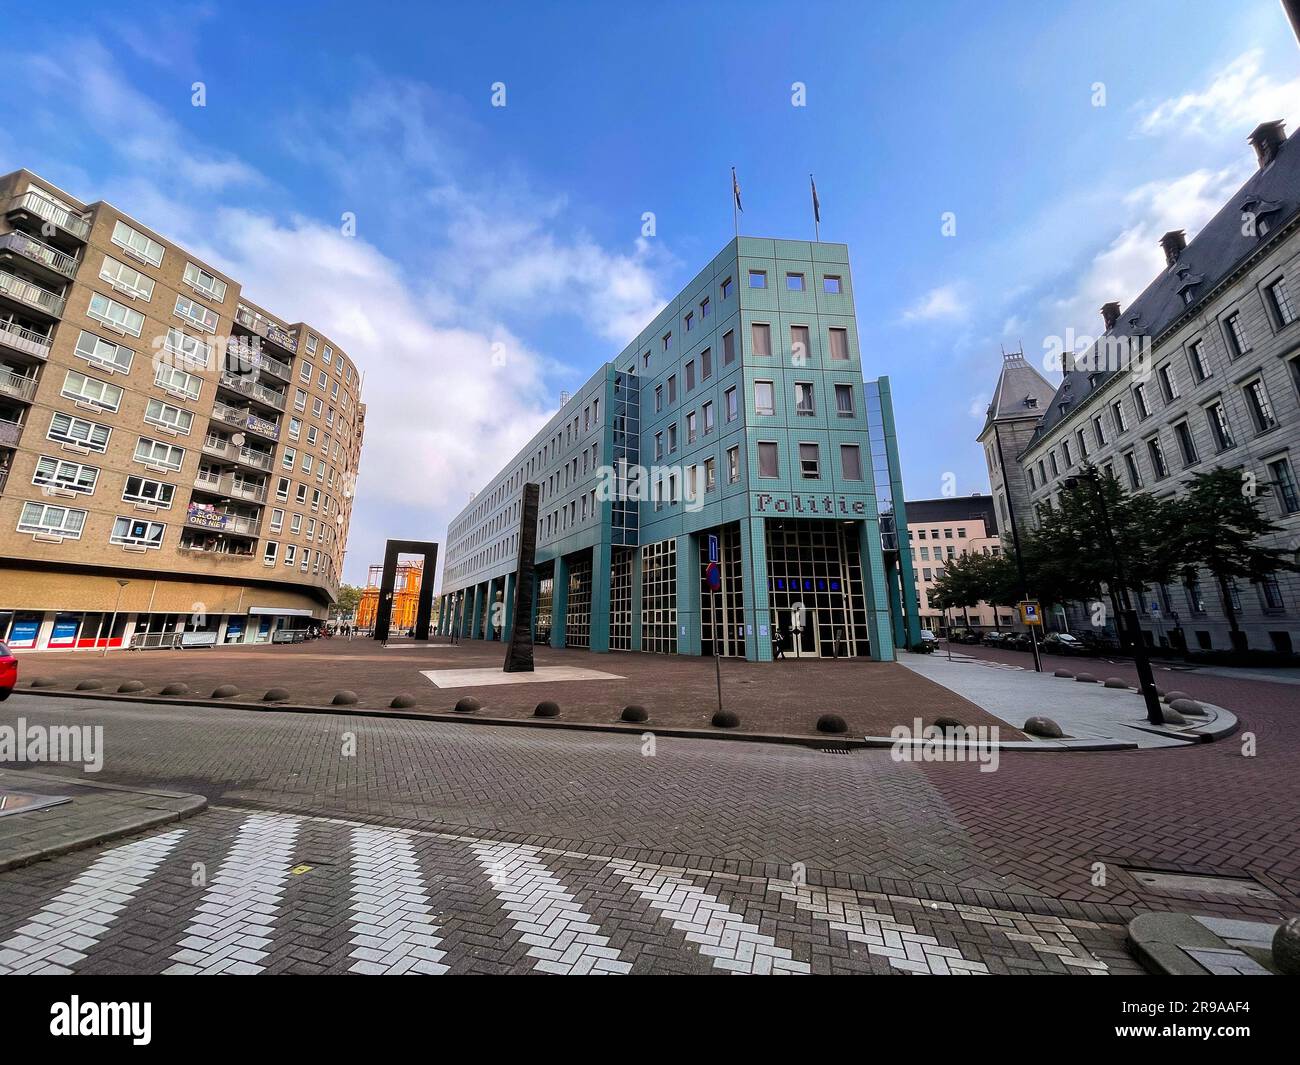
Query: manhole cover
(1183, 883)
(24, 802)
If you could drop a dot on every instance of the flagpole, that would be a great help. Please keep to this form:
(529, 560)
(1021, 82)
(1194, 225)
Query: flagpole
(817, 215)
(735, 204)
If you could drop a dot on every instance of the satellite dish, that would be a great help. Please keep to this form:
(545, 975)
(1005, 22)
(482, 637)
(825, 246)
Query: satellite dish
(238, 440)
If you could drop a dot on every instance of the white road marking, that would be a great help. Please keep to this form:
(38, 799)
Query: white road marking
(394, 933)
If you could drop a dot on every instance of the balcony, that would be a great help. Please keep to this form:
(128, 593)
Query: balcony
(245, 386)
(27, 341)
(264, 327)
(17, 386)
(37, 208)
(219, 521)
(231, 486)
(273, 366)
(31, 295)
(50, 261)
(246, 419)
(10, 432)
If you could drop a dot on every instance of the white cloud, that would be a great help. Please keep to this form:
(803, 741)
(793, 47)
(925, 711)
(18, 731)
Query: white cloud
(979, 406)
(944, 302)
(1237, 98)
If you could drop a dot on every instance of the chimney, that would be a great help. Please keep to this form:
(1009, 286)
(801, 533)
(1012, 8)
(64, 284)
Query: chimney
(1173, 242)
(1266, 140)
(1110, 314)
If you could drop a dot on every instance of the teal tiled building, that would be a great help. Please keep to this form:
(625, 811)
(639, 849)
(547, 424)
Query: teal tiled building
(729, 484)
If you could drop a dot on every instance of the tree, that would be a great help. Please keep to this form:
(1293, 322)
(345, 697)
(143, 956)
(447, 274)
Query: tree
(976, 578)
(349, 598)
(1218, 527)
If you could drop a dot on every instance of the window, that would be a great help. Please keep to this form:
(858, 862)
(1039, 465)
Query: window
(732, 411)
(659, 398)
(146, 490)
(1065, 454)
(727, 286)
(691, 432)
(51, 520)
(672, 438)
(1051, 460)
(1032, 484)
(1238, 342)
(1261, 410)
(1186, 444)
(1082, 437)
(733, 465)
(159, 413)
(768, 463)
(60, 473)
(158, 453)
(762, 338)
(1280, 296)
(659, 446)
(764, 398)
(196, 314)
(136, 243)
(1157, 453)
(672, 388)
(667, 339)
(290, 554)
(1121, 422)
(710, 475)
(794, 282)
(177, 381)
(1283, 481)
(70, 430)
(690, 375)
(1217, 418)
(1134, 474)
(810, 461)
(839, 344)
(1271, 593)
(115, 315)
(758, 279)
(728, 347)
(83, 389)
(1168, 382)
(1140, 400)
(103, 352)
(706, 364)
(282, 489)
(851, 462)
(295, 525)
(832, 284)
(844, 401)
(204, 283)
(705, 307)
(800, 348)
(1196, 357)
(689, 321)
(126, 279)
(190, 350)
(803, 399)
(136, 532)
(270, 553)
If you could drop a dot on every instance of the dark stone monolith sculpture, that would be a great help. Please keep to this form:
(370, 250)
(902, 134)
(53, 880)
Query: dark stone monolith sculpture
(519, 655)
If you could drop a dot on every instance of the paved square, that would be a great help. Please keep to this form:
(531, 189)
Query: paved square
(481, 678)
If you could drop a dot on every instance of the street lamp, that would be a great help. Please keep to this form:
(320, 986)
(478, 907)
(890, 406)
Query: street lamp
(121, 584)
(1146, 679)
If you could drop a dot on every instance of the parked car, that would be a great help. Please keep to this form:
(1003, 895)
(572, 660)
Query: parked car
(1017, 641)
(8, 672)
(1062, 643)
(928, 637)
(994, 638)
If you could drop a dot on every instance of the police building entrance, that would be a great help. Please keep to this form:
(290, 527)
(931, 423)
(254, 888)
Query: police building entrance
(815, 589)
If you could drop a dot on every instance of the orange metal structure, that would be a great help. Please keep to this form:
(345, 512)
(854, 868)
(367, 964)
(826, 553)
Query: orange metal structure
(406, 595)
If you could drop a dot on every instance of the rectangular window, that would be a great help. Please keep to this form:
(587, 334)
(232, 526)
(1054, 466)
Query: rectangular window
(1217, 418)
(83, 389)
(710, 475)
(290, 554)
(204, 283)
(659, 446)
(159, 413)
(105, 353)
(1082, 438)
(137, 244)
(800, 348)
(187, 349)
(732, 411)
(728, 347)
(115, 315)
(851, 462)
(659, 398)
(1134, 474)
(1121, 421)
(51, 520)
(733, 465)
(1168, 382)
(146, 490)
(726, 288)
(126, 279)
(768, 463)
(1065, 454)
(705, 308)
(690, 375)
(158, 453)
(1140, 400)
(672, 438)
(708, 417)
(844, 401)
(60, 473)
(270, 553)
(177, 381)
(706, 364)
(764, 398)
(277, 519)
(1283, 482)
(1098, 431)
(196, 314)
(810, 462)
(803, 399)
(136, 532)
(794, 282)
(689, 321)
(1157, 453)
(758, 279)
(672, 388)
(1235, 332)
(761, 335)
(1186, 444)
(1261, 410)
(691, 432)
(70, 430)
(667, 339)
(1280, 296)
(1198, 361)
(839, 344)
(832, 284)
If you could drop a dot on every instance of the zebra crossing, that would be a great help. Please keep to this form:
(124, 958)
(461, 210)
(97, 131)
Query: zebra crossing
(305, 894)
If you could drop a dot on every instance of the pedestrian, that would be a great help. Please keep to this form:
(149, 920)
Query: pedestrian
(780, 643)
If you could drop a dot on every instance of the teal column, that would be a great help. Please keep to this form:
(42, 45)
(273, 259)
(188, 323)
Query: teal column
(508, 622)
(476, 614)
(489, 614)
(875, 592)
(442, 616)
(636, 598)
(600, 582)
(758, 609)
(688, 594)
(559, 602)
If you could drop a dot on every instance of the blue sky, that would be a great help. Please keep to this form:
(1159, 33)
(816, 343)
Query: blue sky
(498, 256)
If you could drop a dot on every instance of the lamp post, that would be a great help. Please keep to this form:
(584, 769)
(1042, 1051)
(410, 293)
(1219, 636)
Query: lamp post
(112, 624)
(1146, 679)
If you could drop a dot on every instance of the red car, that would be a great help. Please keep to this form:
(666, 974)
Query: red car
(8, 672)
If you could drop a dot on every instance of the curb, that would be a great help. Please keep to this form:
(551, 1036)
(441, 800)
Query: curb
(1039, 746)
(820, 742)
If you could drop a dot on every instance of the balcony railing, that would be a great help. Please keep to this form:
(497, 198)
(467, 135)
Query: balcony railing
(273, 365)
(245, 419)
(39, 252)
(232, 485)
(251, 457)
(219, 521)
(263, 326)
(33, 295)
(10, 432)
(34, 203)
(252, 389)
(28, 341)
(16, 385)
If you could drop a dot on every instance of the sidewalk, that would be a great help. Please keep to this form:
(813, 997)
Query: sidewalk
(94, 813)
(1084, 711)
